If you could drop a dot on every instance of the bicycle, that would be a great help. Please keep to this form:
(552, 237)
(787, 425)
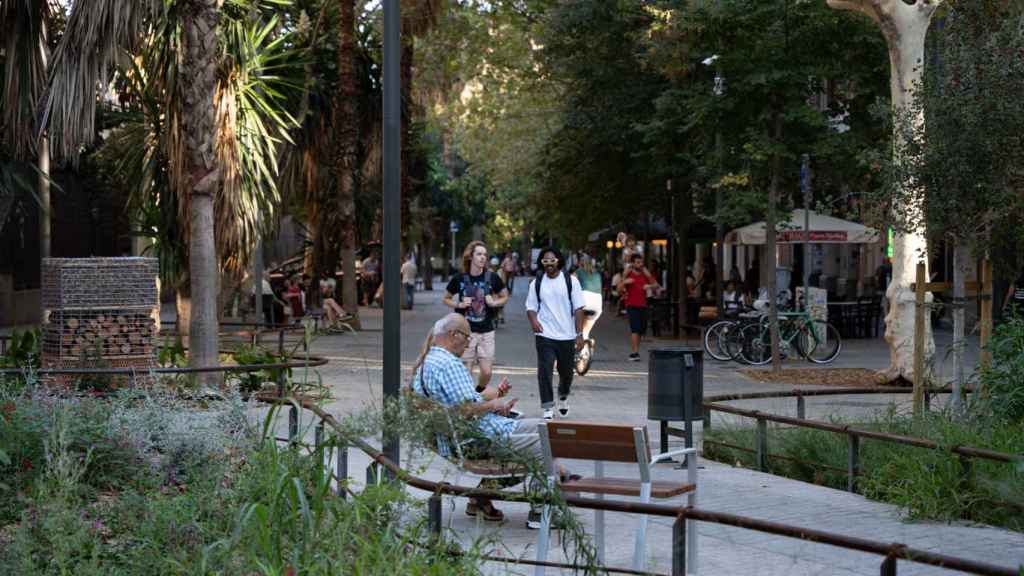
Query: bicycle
(722, 339)
(815, 340)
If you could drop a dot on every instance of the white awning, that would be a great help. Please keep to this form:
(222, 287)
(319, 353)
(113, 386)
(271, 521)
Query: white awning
(823, 230)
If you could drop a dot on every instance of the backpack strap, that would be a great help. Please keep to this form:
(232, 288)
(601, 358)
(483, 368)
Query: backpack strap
(568, 289)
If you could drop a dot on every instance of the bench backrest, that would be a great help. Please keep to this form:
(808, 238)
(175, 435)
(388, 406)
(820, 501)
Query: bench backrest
(604, 442)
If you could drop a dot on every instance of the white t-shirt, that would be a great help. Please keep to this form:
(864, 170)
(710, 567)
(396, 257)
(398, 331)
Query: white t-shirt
(554, 315)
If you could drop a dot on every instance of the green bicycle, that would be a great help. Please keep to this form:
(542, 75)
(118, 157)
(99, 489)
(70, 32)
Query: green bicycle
(816, 340)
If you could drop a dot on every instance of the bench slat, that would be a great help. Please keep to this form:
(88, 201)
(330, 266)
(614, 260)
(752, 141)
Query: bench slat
(585, 441)
(626, 487)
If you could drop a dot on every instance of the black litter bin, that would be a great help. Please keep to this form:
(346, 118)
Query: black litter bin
(675, 389)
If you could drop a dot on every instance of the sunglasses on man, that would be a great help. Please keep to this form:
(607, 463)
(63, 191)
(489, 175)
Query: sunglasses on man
(549, 260)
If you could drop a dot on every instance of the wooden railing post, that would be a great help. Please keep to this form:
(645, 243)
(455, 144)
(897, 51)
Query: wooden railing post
(919, 319)
(986, 293)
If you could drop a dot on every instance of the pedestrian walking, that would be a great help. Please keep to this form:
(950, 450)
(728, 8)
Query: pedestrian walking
(508, 269)
(408, 274)
(635, 284)
(477, 294)
(554, 306)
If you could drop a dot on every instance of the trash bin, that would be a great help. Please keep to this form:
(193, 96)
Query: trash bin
(675, 384)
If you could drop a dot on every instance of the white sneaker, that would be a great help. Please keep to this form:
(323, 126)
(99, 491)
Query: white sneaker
(549, 414)
(563, 407)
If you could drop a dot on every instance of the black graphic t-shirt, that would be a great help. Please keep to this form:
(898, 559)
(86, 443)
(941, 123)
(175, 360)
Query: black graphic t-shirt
(479, 314)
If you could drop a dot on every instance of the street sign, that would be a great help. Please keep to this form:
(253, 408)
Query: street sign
(454, 227)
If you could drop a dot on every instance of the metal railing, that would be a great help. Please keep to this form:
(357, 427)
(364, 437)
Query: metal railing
(853, 434)
(891, 552)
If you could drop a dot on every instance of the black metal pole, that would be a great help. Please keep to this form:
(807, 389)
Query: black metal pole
(392, 215)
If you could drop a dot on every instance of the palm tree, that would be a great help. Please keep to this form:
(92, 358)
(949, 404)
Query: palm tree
(199, 156)
(346, 150)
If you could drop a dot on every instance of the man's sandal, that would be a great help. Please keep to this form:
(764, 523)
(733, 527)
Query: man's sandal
(484, 508)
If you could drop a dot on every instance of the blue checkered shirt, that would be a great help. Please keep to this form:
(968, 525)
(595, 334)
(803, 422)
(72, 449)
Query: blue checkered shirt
(450, 384)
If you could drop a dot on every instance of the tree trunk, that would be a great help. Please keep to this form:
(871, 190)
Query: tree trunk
(346, 123)
(960, 263)
(772, 263)
(43, 166)
(200, 65)
(904, 27)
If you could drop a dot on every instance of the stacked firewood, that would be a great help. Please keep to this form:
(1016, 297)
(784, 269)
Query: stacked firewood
(125, 333)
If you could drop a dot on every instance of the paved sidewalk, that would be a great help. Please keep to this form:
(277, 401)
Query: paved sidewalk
(616, 391)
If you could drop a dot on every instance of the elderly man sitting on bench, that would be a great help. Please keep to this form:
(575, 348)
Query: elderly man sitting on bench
(441, 376)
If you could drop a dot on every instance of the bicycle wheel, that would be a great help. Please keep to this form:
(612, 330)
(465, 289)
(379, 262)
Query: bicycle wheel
(757, 345)
(731, 341)
(713, 340)
(819, 342)
(583, 359)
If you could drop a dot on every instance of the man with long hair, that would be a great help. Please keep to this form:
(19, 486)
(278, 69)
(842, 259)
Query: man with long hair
(477, 294)
(441, 377)
(554, 305)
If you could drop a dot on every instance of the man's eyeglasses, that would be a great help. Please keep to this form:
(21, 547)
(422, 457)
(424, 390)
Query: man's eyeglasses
(549, 260)
(461, 333)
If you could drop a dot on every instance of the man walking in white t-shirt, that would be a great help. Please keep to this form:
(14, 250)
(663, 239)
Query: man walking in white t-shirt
(554, 305)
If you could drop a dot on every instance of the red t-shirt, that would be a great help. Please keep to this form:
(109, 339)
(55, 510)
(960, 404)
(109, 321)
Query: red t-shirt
(636, 295)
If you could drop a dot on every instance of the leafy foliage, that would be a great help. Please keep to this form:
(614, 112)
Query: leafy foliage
(963, 168)
(926, 484)
(1002, 381)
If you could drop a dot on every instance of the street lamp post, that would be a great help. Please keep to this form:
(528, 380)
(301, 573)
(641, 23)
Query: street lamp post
(392, 219)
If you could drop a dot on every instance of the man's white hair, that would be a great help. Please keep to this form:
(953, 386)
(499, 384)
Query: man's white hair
(446, 324)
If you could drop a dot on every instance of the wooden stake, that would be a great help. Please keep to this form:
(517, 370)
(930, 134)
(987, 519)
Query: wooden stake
(919, 318)
(986, 293)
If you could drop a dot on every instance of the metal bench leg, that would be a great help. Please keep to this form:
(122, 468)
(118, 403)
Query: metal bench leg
(639, 559)
(542, 539)
(599, 517)
(691, 528)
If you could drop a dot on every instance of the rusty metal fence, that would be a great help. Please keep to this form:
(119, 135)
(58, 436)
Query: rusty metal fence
(891, 552)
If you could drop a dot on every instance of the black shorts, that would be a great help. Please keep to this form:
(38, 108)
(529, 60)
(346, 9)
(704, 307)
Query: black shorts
(637, 320)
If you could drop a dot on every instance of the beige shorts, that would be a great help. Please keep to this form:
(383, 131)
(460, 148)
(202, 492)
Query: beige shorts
(480, 347)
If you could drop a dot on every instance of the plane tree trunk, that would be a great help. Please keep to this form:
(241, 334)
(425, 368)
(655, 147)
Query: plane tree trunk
(904, 27)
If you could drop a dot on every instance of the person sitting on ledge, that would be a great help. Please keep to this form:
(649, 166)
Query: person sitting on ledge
(440, 375)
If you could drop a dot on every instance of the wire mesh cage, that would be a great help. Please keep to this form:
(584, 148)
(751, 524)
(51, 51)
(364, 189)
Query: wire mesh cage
(99, 313)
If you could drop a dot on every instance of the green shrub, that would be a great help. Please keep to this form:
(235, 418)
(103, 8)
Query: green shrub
(1003, 380)
(927, 484)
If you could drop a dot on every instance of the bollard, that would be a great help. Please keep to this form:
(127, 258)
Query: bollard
(318, 436)
(293, 423)
(371, 474)
(801, 408)
(280, 342)
(341, 467)
(434, 516)
(888, 566)
(761, 440)
(966, 471)
(707, 420)
(852, 462)
(679, 546)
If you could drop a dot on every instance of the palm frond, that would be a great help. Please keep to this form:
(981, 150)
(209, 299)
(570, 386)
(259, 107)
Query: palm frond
(99, 37)
(23, 25)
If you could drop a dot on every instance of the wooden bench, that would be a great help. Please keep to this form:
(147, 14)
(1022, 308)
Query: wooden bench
(613, 443)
